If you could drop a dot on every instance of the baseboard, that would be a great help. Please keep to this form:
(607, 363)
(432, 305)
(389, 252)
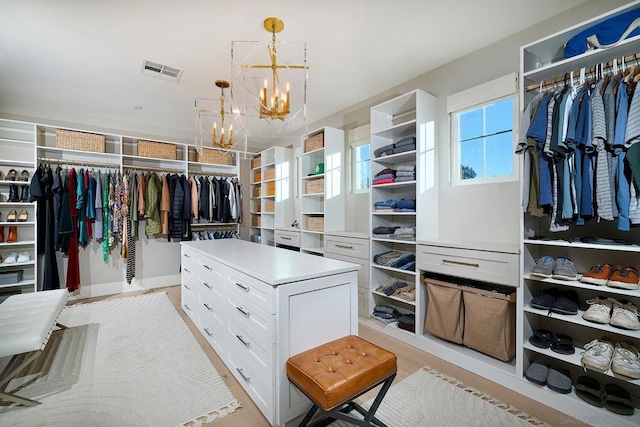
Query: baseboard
(113, 288)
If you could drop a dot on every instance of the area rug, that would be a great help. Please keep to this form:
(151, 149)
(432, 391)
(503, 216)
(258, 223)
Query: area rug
(430, 398)
(128, 361)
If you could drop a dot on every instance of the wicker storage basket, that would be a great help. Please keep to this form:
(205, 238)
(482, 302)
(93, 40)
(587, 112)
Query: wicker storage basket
(315, 223)
(271, 189)
(257, 177)
(314, 142)
(212, 156)
(269, 206)
(255, 221)
(269, 174)
(256, 191)
(156, 150)
(314, 186)
(255, 162)
(80, 141)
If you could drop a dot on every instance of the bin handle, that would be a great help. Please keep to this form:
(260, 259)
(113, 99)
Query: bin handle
(468, 264)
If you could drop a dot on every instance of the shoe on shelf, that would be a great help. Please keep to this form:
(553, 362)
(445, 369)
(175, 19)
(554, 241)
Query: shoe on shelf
(598, 274)
(625, 315)
(566, 302)
(624, 278)
(24, 176)
(23, 216)
(1, 176)
(24, 194)
(564, 269)
(13, 193)
(597, 355)
(11, 175)
(599, 310)
(12, 236)
(12, 216)
(1, 233)
(11, 259)
(545, 299)
(626, 361)
(24, 257)
(544, 267)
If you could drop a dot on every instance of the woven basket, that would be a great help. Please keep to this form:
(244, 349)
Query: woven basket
(257, 177)
(156, 150)
(315, 223)
(214, 157)
(269, 174)
(314, 186)
(256, 191)
(80, 141)
(271, 189)
(269, 206)
(255, 162)
(314, 142)
(255, 221)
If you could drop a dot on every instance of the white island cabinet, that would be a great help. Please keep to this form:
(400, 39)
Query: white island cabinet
(258, 305)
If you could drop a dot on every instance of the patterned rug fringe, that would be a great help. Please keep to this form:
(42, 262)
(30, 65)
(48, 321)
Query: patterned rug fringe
(211, 416)
(487, 398)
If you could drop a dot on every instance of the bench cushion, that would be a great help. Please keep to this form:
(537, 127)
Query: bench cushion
(26, 320)
(337, 372)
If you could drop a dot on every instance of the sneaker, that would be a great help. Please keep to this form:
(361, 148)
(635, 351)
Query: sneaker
(626, 361)
(624, 278)
(24, 257)
(11, 259)
(599, 310)
(564, 270)
(598, 274)
(597, 355)
(544, 267)
(625, 316)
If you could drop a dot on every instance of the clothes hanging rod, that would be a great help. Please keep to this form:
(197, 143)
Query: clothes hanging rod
(629, 60)
(78, 163)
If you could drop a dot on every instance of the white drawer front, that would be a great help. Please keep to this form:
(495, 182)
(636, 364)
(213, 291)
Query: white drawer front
(189, 301)
(494, 267)
(289, 238)
(261, 392)
(212, 327)
(259, 293)
(254, 347)
(357, 248)
(211, 270)
(243, 311)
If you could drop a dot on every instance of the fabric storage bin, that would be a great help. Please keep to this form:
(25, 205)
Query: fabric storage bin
(271, 189)
(314, 186)
(269, 174)
(255, 162)
(80, 141)
(315, 223)
(156, 150)
(269, 206)
(10, 277)
(314, 142)
(257, 177)
(256, 191)
(214, 157)
(445, 311)
(255, 221)
(490, 322)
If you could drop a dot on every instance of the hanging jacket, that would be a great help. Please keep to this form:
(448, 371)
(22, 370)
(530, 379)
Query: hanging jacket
(152, 206)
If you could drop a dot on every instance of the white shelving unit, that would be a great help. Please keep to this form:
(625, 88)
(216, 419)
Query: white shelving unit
(410, 115)
(272, 193)
(17, 140)
(322, 195)
(539, 62)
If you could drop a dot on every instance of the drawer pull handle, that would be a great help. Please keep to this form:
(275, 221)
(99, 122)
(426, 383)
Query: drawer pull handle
(187, 286)
(187, 270)
(187, 255)
(207, 285)
(344, 246)
(246, 344)
(242, 310)
(207, 267)
(243, 287)
(208, 331)
(187, 306)
(242, 375)
(285, 238)
(468, 264)
(207, 306)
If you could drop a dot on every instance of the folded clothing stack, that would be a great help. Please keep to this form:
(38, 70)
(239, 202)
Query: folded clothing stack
(385, 176)
(395, 259)
(391, 289)
(385, 205)
(405, 233)
(385, 314)
(405, 173)
(402, 205)
(405, 144)
(384, 231)
(407, 322)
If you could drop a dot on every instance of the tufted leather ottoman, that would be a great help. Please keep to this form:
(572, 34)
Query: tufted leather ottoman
(334, 374)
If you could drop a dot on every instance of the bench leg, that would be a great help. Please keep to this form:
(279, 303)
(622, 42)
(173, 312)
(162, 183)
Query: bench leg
(17, 399)
(9, 373)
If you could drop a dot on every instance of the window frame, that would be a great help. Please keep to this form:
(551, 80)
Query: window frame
(357, 138)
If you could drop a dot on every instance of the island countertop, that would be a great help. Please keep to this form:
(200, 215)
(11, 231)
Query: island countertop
(275, 266)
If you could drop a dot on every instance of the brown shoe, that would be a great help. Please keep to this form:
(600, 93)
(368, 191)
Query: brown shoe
(12, 237)
(624, 278)
(23, 216)
(12, 216)
(1, 233)
(598, 274)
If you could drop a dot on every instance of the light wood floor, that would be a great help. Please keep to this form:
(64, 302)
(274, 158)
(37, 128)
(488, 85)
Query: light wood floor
(410, 360)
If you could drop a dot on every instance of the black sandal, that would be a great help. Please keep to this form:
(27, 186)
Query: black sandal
(562, 344)
(541, 338)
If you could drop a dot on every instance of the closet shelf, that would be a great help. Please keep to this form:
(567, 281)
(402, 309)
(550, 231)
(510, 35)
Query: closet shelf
(5, 182)
(393, 213)
(579, 285)
(16, 204)
(316, 151)
(391, 297)
(211, 165)
(26, 282)
(16, 163)
(18, 223)
(574, 359)
(395, 184)
(17, 264)
(398, 131)
(41, 148)
(397, 270)
(18, 243)
(313, 232)
(604, 247)
(395, 159)
(392, 240)
(314, 250)
(312, 177)
(312, 194)
(15, 141)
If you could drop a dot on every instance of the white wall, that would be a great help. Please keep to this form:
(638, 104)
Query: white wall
(478, 213)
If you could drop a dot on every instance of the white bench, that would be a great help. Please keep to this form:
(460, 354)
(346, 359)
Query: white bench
(26, 323)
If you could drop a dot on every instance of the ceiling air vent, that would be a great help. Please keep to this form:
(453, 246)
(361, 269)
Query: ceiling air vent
(161, 71)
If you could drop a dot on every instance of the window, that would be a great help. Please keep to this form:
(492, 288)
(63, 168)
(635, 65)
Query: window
(483, 128)
(360, 154)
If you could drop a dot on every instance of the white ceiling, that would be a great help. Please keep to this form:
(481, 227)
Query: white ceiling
(80, 61)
